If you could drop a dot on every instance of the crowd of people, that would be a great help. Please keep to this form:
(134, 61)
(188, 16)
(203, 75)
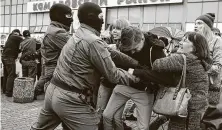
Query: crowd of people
(89, 79)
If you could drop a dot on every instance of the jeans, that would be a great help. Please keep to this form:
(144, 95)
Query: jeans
(121, 94)
(104, 94)
(9, 74)
(29, 71)
(61, 106)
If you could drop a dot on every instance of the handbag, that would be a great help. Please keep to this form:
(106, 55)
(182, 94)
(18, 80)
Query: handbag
(173, 101)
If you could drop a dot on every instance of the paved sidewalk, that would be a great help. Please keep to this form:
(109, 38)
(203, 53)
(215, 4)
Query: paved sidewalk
(17, 116)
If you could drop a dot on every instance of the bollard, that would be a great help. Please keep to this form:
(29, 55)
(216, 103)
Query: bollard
(23, 91)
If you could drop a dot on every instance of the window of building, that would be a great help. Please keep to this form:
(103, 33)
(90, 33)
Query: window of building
(2, 2)
(31, 29)
(2, 10)
(32, 19)
(24, 8)
(25, 20)
(25, 1)
(13, 21)
(176, 13)
(6, 9)
(135, 25)
(175, 25)
(40, 18)
(112, 15)
(147, 26)
(219, 26)
(161, 25)
(24, 28)
(189, 27)
(46, 19)
(14, 9)
(211, 7)
(7, 2)
(1, 29)
(220, 12)
(2, 20)
(193, 11)
(7, 19)
(6, 29)
(19, 20)
(149, 14)
(38, 29)
(20, 1)
(14, 2)
(19, 8)
(123, 12)
(44, 28)
(162, 14)
(134, 14)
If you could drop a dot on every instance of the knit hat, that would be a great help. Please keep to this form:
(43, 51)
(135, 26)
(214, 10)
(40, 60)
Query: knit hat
(26, 33)
(130, 37)
(58, 13)
(207, 18)
(88, 14)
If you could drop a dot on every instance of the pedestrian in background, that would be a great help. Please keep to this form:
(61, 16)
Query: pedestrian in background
(9, 56)
(28, 50)
(216, 31)
(204, 25)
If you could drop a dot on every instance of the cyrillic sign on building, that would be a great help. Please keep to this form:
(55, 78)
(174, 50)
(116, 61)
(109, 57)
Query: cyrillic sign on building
(43, 6)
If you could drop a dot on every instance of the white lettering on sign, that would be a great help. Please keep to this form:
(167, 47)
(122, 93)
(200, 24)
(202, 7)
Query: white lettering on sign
(43, 6)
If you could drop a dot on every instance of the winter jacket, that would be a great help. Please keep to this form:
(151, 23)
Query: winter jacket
(215, 47)
(196, 80)
(11, 48)
(152, 50)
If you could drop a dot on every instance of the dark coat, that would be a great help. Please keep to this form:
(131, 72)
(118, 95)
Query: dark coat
(146, 74)
(11, 48)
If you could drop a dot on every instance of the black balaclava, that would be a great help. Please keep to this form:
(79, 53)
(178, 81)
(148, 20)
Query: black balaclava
(88, 13)
(59, 12)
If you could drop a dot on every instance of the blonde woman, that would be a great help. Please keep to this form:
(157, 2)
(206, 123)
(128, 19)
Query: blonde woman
(204, 25)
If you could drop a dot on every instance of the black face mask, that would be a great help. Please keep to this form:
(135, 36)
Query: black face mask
(94, 21)
(62, 14)
(89, 13)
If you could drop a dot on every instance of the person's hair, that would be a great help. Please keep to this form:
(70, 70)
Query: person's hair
(201, 48)
(207, 32)
(120, 23)
(130, 37)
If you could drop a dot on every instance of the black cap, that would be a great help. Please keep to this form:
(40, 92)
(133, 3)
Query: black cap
(26, 33)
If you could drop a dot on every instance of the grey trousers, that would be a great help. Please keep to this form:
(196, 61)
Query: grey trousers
(61, 106)
(121, 94)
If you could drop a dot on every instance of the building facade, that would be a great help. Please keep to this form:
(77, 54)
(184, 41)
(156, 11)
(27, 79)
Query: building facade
(146, 14)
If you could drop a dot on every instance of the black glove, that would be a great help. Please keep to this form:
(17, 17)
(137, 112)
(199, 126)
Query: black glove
(145, 86)
(141, 85)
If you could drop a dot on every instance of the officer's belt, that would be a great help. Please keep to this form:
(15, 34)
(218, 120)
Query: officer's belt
(67, 87)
